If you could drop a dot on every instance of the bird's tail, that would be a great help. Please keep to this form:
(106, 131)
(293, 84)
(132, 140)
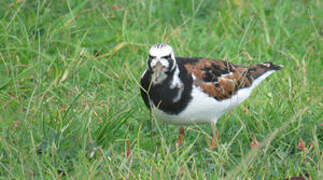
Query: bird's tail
(258, 70)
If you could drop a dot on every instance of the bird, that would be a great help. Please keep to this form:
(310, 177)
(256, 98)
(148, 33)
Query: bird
(192, 90)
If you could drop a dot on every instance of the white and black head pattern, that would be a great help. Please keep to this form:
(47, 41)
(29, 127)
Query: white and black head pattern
(161, 62)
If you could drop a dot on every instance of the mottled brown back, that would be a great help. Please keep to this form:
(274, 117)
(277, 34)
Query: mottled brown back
(222, 79)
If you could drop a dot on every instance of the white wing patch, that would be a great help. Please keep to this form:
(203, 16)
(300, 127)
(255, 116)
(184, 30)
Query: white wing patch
(228, 74)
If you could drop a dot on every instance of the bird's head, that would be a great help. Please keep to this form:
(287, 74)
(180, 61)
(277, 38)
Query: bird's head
(161, 62)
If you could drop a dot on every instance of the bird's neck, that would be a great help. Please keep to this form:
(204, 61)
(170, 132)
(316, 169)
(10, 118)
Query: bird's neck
(172, 96)
(170, 86)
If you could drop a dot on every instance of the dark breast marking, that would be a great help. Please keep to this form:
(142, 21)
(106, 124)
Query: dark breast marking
(219, 79)
(162, 95)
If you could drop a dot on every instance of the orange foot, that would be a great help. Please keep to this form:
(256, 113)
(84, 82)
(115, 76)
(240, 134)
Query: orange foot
(128, 148)
(254, 142)
(181, 135)
(213, 143)
(214, 139)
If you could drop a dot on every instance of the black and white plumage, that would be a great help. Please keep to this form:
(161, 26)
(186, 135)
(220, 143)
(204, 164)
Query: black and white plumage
(186, 90)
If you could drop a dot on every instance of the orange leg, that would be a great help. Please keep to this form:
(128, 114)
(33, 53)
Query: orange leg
(214, 135)
(181, 135)
(128, 148)
(214, 139)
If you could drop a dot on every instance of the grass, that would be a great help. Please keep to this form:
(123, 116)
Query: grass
(70, 99)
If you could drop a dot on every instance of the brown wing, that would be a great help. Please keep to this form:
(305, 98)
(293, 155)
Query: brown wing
(222, 79)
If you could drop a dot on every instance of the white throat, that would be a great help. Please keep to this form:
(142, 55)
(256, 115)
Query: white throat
(158, 79)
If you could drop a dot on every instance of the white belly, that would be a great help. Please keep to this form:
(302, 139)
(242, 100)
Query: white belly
(203, 108)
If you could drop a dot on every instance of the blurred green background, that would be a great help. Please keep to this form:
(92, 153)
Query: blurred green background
(69, 91)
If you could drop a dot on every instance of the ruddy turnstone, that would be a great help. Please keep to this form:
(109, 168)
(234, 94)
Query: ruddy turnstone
(189, 90)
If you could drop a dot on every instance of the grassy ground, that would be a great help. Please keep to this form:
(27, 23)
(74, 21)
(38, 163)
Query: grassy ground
(70, 102)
